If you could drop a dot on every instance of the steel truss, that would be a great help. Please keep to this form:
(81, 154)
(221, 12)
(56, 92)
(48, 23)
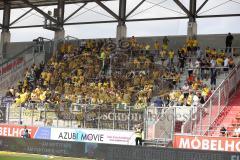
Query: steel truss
(58, 21)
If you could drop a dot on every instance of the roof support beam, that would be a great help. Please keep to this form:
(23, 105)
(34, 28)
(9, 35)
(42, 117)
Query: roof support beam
(135, 8)
(122, 11)
(66, 19)
(39, 11)
(106, 9)
(155, 19)
(134, 20)
(193, 8)
(204, 3)
(60, 13)
(103, 22)
(16, 20)
(6, 16)
(183, 8)
(220, 15)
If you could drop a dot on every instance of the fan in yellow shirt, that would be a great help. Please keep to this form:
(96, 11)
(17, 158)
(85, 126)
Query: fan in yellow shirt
(189, 99)
(184, 50)
(171, 56)
(43, 96)
(195, 86)
(219, 61)
(181, 99)
(63, 48)
(222, 53)
(208, 51)
(156, 46)
(147, 47)
(205, 91)
(133, 41)
(214, 52)
(172, 96)
(195, 43)
(48, 77)
(189, 44)
(44, 75)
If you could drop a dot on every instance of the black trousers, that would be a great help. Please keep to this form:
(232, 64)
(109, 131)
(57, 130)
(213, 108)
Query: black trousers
(138, 141)
(228, 47)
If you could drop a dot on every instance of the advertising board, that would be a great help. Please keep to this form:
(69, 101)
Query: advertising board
(70, 134)
(93, 136)
(17, 131)
(229, 144)
(12, 64)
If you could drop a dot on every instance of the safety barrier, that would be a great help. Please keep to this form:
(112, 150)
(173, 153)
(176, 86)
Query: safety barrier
(74, 115)
(208, 113)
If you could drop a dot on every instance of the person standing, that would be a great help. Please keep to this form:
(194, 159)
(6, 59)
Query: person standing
(228, 42)
(190, 68)
(199, 53)
(156, 47)
(181, 59)
(226, 65)
(171, 57)
(25, 133)
(103, 57)
(165, 43)
(138, 134)
(213, 78)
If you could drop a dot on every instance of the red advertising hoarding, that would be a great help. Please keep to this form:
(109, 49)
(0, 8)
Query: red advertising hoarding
(16, 131)
(10, 65)
(229, 144)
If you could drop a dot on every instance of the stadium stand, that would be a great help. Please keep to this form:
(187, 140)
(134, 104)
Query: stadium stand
(87, 78)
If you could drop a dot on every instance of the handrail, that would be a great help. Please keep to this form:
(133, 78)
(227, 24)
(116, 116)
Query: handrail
(213, 94)
(228, 95)
(209, 99)
(45, 38)
(71, 37)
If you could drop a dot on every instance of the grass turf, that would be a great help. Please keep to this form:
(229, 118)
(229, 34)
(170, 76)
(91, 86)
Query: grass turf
(25, 156)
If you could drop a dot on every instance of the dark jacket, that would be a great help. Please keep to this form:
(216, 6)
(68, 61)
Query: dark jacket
(229, 39)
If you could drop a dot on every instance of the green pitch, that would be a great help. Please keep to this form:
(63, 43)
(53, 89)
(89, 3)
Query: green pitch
(24, 156)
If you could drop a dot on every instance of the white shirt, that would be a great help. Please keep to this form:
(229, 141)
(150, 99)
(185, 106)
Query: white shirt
(226, 62)
(190, 66)
(199, 53)
(196, 100)
(197, 63)
(213, 63)
(185, 88)
(237, 131)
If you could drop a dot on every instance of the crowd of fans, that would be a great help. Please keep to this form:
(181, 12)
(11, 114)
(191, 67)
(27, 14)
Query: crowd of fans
(93, 74)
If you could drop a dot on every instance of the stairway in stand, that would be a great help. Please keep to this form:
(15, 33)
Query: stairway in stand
(227, 117)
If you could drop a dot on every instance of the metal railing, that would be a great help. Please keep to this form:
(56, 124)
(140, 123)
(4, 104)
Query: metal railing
(74, 115)
(207, 114)
(160, 123)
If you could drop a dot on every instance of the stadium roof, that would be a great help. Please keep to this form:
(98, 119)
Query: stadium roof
(21, 4)
(191, 12)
